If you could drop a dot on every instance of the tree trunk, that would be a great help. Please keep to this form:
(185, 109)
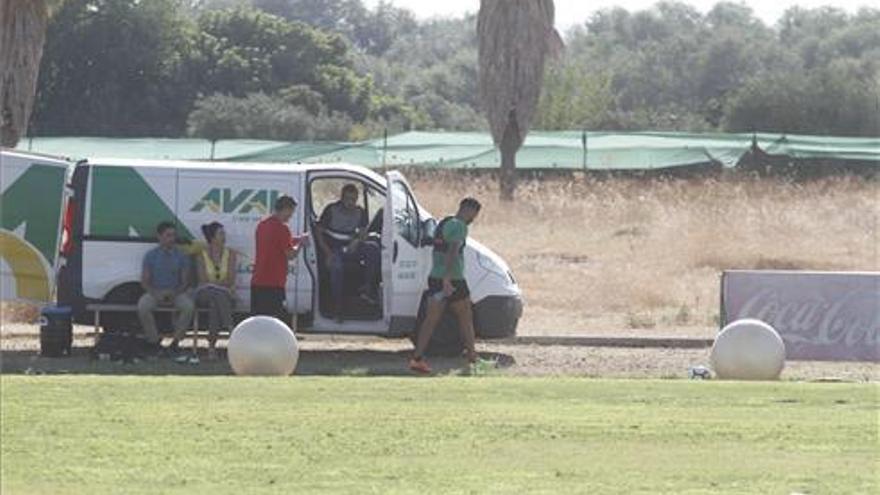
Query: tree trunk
(509, 145)
(508, 172)
(22, 34)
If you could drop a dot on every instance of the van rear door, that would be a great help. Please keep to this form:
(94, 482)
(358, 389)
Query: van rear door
(32, 191)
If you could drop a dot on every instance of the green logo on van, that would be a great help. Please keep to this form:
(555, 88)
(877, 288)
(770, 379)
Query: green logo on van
(243, 201)
(124, 204)
(33, 203)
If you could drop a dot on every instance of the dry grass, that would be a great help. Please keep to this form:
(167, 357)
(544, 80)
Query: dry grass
(18, 312)
(596, 255)
(631, 256)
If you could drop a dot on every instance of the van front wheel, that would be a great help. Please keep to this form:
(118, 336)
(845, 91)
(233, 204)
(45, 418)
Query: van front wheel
(496, 317)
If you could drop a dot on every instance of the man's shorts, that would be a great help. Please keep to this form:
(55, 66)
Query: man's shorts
(269, 301)
(460, 292)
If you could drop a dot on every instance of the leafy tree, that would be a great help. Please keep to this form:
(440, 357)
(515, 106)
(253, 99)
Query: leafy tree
(832, 100)
(136, 67)
(382, 27)
(115, 67)
(261, 116)
(344, 90)
(337, 16)
(244, 50)
(574, 98)
(302, 95)
(373, 31)
(434, 69)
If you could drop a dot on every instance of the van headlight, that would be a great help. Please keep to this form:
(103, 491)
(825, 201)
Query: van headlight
(488, 264)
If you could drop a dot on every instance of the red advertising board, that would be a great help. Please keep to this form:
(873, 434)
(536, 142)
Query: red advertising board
(832, 316)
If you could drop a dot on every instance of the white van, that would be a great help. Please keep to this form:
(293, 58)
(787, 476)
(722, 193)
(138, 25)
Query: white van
(114, 206)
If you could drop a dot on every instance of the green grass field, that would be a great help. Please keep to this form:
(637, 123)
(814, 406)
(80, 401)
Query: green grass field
(85, 434)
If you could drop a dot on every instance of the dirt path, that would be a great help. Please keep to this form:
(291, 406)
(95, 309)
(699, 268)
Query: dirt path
(373, 356)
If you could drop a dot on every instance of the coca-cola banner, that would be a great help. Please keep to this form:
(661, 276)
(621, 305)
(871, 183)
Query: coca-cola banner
(830, 316)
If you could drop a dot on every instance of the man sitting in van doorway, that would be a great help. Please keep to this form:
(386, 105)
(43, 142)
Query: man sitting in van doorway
(343, 239)
(165, 277)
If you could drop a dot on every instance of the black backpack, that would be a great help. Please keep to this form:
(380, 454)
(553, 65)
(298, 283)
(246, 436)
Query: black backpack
(114, 346)
(440, 244)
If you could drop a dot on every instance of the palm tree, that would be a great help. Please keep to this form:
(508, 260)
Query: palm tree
(515, 39)
(22, 34)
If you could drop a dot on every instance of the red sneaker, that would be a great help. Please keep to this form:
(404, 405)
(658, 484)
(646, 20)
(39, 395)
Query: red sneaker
(419, 366)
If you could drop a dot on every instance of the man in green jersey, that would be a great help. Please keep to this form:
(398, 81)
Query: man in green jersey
(447, 285)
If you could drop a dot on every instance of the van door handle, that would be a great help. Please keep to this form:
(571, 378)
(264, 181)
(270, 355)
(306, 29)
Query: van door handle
(394, 257)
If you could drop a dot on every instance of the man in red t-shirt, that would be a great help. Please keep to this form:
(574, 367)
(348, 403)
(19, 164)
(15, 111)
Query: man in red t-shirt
(275, 247)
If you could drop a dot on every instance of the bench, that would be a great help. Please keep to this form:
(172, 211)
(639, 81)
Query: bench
(99, 308)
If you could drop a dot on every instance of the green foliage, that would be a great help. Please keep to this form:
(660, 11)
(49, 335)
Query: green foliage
(832, 100)
(675, 69)
(114, 67)
(373, 31)
(574, 98)
(218, 435)
(397, 115)
(261, 116)
(344, 90)
(245, 50)
(434, 69)
(134, 67)
(137, 68)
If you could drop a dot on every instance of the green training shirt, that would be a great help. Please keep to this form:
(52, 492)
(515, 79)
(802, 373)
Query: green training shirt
(453, 230)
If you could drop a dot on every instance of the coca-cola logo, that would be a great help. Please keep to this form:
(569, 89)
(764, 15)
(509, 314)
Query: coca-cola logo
(851, 318)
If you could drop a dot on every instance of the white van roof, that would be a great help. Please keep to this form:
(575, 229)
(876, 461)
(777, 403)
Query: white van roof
(236, 166)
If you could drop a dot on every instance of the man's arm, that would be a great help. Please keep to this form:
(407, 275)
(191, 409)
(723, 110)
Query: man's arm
(291, 245)
(202, 270)
(146, 279)
(321, 238)
(322, 241)
(184, 277)
(292, 251)
(230, 270)
(455, 237)
(450, 257)
(362, 229)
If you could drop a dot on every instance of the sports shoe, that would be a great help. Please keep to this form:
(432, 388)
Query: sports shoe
(482, 366)
(419, 366)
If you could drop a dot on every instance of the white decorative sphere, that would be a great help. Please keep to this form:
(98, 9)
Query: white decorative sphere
(748, 349)
(262, 345)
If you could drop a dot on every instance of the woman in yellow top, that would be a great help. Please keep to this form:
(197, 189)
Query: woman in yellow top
(216, 290)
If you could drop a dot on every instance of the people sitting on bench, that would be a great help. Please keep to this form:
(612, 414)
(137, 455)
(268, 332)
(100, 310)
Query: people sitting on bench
(342, 239)
(165, 279)
(216, 290)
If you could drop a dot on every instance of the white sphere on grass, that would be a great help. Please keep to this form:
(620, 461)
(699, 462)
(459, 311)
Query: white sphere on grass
(262, 345)
(748, 349)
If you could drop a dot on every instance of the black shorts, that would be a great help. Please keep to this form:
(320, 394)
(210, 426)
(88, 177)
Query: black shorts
(435, 286)
(269, 301)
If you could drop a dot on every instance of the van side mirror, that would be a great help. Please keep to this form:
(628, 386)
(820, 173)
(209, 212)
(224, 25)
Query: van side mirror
(429, 227)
